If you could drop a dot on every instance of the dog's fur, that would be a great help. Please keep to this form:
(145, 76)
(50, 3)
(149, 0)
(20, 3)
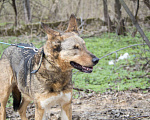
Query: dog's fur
(52, 84)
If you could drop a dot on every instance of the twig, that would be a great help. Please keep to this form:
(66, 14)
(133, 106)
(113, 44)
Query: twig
(78, 89)
(2, 5)
(134, 21)
(82, 23)
(145, 65)
(137, 9)
(122, 49)
(86, 90)
(147, 3)
(139, 117)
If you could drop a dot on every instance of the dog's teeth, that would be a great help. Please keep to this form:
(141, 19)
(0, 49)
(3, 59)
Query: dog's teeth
(84, 67)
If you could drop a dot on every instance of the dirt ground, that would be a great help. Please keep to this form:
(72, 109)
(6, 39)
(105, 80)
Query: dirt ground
(122, 105)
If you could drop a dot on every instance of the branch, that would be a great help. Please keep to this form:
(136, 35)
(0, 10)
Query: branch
(121, 49)
(134, 21)
(145, 65)
(2, 5)
(80, 89)
(139, 117)
(137, 9)
(147, 3)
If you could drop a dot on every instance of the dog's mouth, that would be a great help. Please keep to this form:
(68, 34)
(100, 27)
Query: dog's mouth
(81, 68)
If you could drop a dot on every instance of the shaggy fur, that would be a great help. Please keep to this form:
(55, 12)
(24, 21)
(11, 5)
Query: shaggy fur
(52, 83)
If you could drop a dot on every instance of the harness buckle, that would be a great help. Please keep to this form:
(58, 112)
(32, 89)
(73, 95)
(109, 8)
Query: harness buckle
(33, 48)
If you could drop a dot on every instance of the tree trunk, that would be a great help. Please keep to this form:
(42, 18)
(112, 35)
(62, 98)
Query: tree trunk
(105, 11)
(137, 9)
(27, 11)
(1, 7)
(147, 3)
(120, 30)
(118, 9)
(106, 16)
(15, 10)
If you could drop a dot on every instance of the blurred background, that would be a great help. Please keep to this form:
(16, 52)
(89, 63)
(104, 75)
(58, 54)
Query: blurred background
(95, 14)
(119, 87)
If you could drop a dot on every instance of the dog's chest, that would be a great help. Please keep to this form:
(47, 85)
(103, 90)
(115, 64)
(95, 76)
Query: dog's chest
(54, 80)
(58, 99)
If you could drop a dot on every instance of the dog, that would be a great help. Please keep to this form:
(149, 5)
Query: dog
(44, 77)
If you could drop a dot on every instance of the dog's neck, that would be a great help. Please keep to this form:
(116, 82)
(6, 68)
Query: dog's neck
(52, 76)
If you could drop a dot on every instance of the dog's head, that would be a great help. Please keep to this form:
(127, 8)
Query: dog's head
(68, 49)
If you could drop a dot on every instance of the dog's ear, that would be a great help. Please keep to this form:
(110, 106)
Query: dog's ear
(50, 32)
(72, 27)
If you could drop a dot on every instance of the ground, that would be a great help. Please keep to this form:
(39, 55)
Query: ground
(122, 105)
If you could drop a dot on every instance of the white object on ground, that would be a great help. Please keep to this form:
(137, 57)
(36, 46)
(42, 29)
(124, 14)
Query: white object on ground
(111, 62)
(124, 56)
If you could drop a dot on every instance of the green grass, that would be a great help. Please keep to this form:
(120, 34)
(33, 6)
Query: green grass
(124, 75)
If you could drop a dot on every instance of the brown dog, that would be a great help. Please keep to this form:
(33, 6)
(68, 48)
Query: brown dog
(52, 83)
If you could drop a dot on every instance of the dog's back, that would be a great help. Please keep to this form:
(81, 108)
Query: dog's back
(19, 62)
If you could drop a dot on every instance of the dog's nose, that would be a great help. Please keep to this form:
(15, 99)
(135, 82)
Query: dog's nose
(95, 60)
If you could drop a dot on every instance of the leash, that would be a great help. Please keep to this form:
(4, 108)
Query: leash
(33, 48)
(121, 49)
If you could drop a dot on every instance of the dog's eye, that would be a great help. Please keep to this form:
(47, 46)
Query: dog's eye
(75, 47)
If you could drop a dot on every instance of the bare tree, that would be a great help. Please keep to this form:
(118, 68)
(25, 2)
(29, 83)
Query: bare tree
(134, 21)
(1, 7)
(27, 11)
(136, 13)
(118, 9)
(14, 7)
(106, 16)
(120, 30)
(105, 11)
(147, 3)
(15, 10)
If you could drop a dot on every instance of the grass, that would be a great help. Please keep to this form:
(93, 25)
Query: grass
(126, 74)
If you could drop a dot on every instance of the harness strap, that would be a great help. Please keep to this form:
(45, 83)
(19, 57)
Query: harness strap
(42, 54)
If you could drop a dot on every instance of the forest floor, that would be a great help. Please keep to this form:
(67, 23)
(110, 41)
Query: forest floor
(122, 105)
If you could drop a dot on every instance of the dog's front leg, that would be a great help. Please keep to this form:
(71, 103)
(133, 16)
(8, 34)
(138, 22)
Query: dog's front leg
(39, 113)
(66, 111)
(23, 108)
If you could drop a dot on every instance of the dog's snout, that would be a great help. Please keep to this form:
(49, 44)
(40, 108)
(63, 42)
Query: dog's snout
(95, 60)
